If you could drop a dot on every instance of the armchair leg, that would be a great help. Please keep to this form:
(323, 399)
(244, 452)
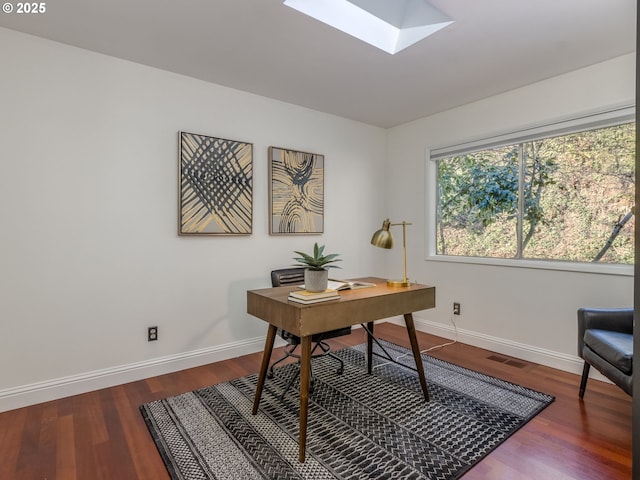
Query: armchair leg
(585, 377)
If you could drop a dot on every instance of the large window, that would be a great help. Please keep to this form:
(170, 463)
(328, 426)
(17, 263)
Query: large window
(557, 196)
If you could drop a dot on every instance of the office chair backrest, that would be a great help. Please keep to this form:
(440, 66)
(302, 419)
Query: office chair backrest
(287, 276)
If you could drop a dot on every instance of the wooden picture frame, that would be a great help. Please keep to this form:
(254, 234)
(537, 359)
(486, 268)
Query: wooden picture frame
(215, 186)
(296, 192)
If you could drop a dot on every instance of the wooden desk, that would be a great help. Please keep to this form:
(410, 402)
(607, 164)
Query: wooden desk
(354, 306)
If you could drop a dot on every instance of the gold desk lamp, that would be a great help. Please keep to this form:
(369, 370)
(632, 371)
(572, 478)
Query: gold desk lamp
(383, 239)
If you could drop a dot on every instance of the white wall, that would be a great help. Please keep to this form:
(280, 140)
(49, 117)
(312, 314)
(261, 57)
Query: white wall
(89, 252)
(528, 313)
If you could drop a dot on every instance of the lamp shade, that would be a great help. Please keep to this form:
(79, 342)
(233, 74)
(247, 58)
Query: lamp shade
(383, 238)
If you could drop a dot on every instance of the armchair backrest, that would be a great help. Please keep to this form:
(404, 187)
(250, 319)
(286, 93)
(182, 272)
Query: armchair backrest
(612, 319)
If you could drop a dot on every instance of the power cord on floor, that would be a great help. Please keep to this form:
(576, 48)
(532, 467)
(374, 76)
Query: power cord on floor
(442, 345)
(430, 349)
(455, 338)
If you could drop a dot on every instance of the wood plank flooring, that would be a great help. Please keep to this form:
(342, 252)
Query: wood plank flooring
(101, 435)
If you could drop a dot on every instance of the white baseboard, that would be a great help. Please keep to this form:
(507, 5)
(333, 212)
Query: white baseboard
(541, 356)
(39, 392)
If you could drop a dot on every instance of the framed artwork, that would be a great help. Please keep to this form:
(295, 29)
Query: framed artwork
(216, 186)
(296, 192)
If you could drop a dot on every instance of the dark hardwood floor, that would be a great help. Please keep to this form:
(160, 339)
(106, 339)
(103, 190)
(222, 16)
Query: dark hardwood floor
(101, 435)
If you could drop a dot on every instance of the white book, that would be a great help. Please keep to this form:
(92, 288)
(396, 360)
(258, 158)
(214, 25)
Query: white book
(345, 285)
(349, 284)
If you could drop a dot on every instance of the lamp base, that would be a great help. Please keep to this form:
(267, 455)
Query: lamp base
(398, 283)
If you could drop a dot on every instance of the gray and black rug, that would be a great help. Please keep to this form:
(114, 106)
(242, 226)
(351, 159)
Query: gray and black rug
(360, 426)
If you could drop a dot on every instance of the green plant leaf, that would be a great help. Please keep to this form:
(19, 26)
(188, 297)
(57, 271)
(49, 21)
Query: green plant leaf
(318, 261)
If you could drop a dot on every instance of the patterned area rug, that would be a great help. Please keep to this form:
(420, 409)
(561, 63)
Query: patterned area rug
(360, 426)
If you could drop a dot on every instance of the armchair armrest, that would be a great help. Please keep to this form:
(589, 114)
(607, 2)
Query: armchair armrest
(612, 319)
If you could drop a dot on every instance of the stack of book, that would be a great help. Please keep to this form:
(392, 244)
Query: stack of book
(303, 296)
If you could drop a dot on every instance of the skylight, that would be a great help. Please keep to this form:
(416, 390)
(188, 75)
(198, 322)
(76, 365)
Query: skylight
(390, 25)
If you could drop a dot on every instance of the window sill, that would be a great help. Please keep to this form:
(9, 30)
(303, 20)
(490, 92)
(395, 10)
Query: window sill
(598, 268)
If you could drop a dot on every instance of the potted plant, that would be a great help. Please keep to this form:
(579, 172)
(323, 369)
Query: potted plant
(316, 275)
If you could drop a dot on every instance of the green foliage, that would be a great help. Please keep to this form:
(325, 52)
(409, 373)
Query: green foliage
(477, 188)
(575, 190)
(318, 261)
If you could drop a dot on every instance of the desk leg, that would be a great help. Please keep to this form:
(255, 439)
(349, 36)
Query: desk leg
(266, 356)
(369, 346)
(305, 374)
(411, 330)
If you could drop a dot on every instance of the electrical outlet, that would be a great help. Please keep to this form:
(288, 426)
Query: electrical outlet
(152, 334)
(456, 308)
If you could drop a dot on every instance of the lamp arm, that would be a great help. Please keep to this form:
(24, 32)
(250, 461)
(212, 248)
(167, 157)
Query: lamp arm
(404, 250)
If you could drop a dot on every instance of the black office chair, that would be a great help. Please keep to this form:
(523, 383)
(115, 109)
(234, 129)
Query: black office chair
(295, 276)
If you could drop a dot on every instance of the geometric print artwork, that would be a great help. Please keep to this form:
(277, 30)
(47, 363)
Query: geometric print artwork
(296, 194)
(360, 426)
(216, 186)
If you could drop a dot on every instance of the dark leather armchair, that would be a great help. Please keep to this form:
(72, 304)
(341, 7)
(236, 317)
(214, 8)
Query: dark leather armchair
(295, 276)
(605, 340)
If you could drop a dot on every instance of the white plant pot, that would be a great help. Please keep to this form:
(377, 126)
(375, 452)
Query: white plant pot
(316, 280)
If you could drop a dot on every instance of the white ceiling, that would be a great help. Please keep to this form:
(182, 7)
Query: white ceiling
(264, 47)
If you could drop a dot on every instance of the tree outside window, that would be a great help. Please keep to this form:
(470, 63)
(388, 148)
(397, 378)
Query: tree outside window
(567, 197)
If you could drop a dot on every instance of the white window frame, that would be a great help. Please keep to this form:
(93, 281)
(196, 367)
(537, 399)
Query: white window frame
(600, 119)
